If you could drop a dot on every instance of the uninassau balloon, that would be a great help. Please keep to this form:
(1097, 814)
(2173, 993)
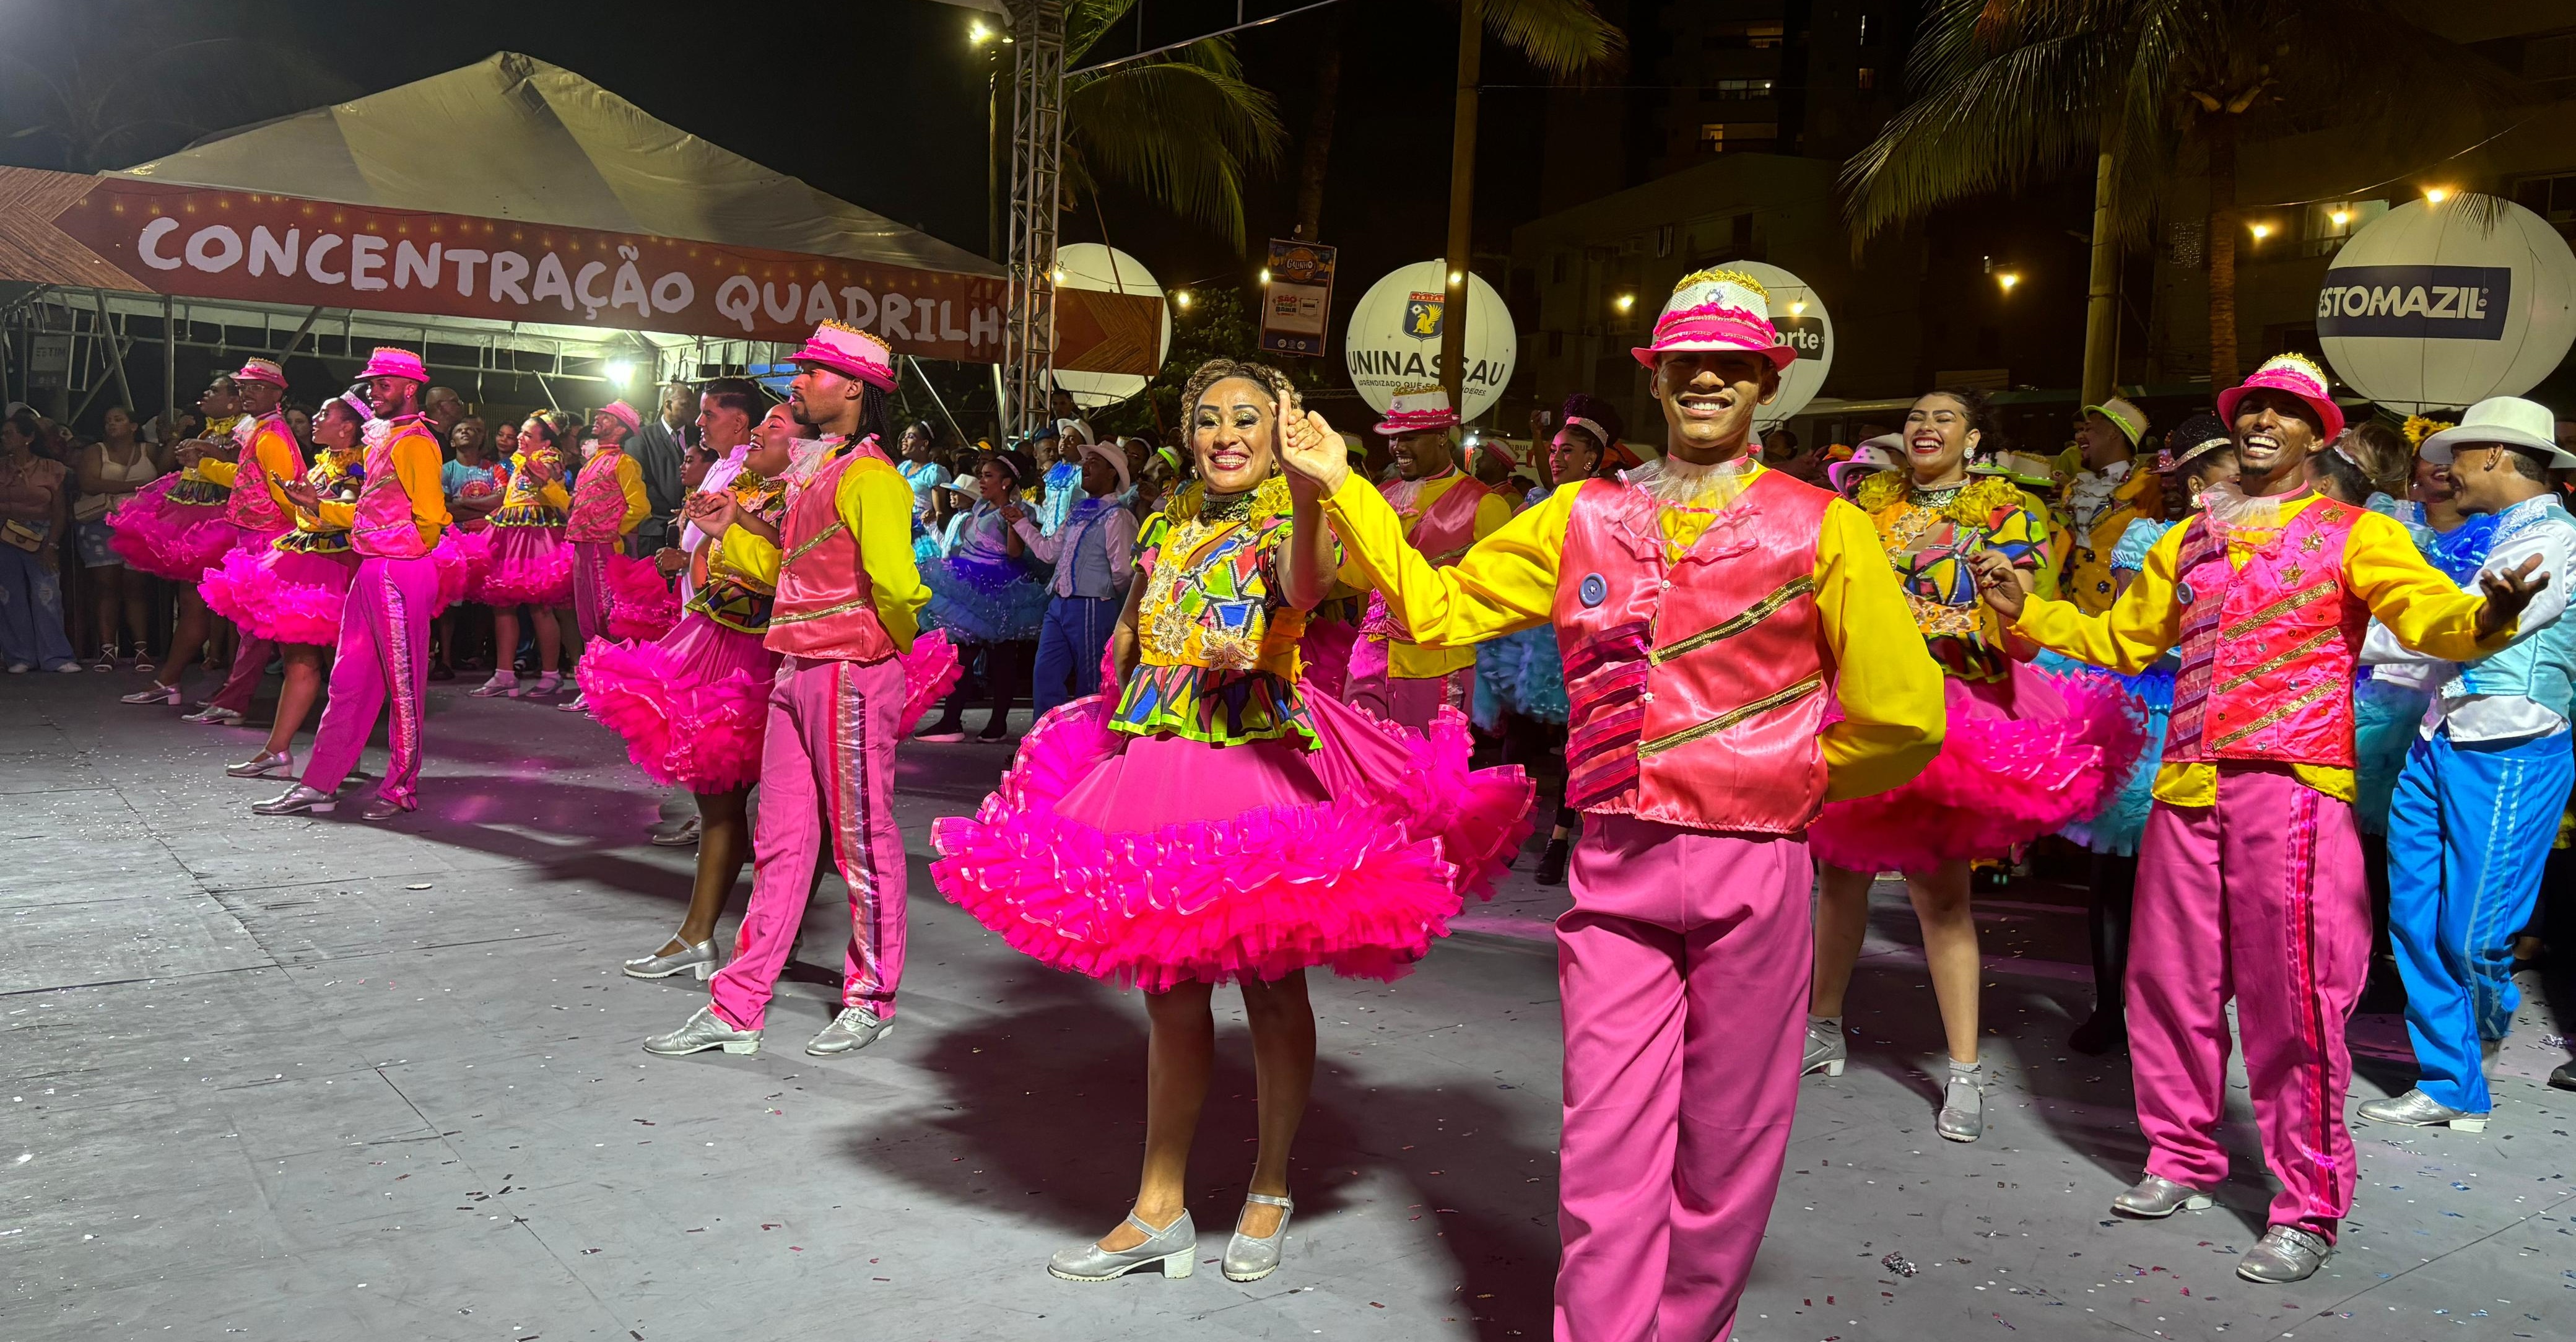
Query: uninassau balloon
(1394, 338)
(2440, 305)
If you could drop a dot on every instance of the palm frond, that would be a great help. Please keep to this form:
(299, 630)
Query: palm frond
(1184, 130)
(1087, 21)
(1562, 37)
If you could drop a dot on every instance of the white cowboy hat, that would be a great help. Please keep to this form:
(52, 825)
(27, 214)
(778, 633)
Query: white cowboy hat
(2509, 421)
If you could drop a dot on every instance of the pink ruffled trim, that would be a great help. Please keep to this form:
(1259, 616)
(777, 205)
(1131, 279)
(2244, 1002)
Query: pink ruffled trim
(462, 558)
(704, 737)
(281, 596)
(1360, 884)
(178, 541)
(511, 579)
(639, 601)
(1997, 782)
(930, 671)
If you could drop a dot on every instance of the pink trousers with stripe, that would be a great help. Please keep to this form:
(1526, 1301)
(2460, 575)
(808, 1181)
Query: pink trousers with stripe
(2261, 899)
(826, 776)
(382, 656)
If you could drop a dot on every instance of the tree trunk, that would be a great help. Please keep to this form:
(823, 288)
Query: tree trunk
(1316, 155)
(1460, 259)
(2102, 300)
(2221, 241)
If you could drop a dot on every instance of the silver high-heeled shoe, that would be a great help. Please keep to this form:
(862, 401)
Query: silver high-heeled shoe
(1173, 1248)
(699, 959)
(1826, 1051)
(1249, 1259)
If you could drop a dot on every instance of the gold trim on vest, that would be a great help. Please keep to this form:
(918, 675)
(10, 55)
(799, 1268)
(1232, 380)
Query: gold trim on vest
(2275, 715)
(817, 538)
(2304, 597)
(1768, 702)
(1751, 615)
(778, 617)
(2269, 665)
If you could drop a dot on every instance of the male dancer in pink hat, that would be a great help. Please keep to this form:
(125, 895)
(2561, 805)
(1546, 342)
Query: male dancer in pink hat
(383, 653)
(1444, 510)
(2249, 874)
(608, 503)
(849, 602)
(268, 458)
(1709, 608)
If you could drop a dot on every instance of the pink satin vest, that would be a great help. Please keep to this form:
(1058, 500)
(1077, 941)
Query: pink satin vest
(1697, 685)
(253, 505)
(385, 527)
(2268, 651)
(598, 499)
(826, 607)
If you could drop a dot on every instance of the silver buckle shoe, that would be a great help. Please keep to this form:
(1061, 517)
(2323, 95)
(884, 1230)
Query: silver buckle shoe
(1825, 1050)
(1963, 1110)
(699, 958)
(704, 1031)
(2415, 1109)
(1249, 1259)
(681, 835)
(297, 800)
(2287, 1254)
(1173, 1248)
(262, 766)
(2156, 1197)
(854, 1029)
(212, 716)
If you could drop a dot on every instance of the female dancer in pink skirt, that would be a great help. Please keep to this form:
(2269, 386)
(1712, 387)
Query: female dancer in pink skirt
(291, 593)
(529, 563)
(1210, 821)
(694, 705)
(177, 527)
(2024, 752)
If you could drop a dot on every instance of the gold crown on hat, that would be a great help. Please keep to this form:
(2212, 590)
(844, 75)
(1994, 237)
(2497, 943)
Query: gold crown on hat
(870, 337)
(1720, 275)
(1420, 389)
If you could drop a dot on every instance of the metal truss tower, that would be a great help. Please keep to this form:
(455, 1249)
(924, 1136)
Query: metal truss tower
(1037, 160)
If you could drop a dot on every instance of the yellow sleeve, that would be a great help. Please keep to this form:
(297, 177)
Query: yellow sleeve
(750, 556)
(875, 503)
(416, 464)
(335, 515)
(1505, 581)
(1890, 688)
(2140, 626)
(630, 477)
(555, 495)
(1492, 511)
(277, 456)
(2419, 604)
(220, 471)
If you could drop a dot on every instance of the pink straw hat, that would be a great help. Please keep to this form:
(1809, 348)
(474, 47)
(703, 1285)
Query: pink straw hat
(2299, 377)
(850, 352)
(261, 370)
(624, 414)
(390, 361)
(1422, 409)
(1717, 310)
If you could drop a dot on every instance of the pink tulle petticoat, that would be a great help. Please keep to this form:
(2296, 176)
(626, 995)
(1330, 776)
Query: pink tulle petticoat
(178, 541)
(1155, 861)
(640, 603)
(694, 705)
(528, 566)
(285, 596)
(2020, 759)
(462, 557)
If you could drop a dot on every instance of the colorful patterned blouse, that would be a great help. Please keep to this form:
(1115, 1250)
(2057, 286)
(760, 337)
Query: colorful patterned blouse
(1216, 639)
(1928, 535)
(723, 593)
(335, 477)
(529, 502)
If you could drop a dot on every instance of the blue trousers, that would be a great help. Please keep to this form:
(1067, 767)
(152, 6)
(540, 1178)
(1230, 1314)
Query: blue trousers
(31, 611)
(2468, 833)
(1070, 642)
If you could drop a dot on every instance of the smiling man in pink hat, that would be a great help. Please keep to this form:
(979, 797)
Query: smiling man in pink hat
(1444, 510)
(2249, 875)
(1709, 609)
(383, 653)
(849, 602)
(608, 503)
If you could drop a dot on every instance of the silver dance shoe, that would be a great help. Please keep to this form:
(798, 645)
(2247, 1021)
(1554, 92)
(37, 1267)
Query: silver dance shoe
(213, 717)
(1249, 1259)
(1963, 1110)
(699, 959)
(2415, 1109)
(297, 800)
(1825, 1051)
(262, 766)
(2287, 1254)
(2156, 1197)
(681, 835)
(854, 1029)
(1173, 1248)
(704, 1031)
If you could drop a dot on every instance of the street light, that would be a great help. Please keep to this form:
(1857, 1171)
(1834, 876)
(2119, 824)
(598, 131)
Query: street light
(1181, 298)
(1626, 301)
(1265, 274)
(1797, 307)
(2007, 279)
(2341, 217)
(2261, 231)
(2435, 195)
(977, 34)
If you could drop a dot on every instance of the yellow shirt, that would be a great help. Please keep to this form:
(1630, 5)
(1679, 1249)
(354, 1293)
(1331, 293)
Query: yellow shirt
(1418, 660)
(1889, 688)
(2426, 610)
(875, 504)
(274, 448)
(417, 466)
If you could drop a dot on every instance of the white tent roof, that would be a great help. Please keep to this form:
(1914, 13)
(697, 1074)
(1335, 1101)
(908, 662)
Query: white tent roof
(512, 137)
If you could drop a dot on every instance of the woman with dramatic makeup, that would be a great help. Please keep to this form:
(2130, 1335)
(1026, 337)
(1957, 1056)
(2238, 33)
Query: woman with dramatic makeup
(2024, 753)
(1211, 822)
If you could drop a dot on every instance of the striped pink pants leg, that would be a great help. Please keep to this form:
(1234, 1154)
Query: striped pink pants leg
(383, 655)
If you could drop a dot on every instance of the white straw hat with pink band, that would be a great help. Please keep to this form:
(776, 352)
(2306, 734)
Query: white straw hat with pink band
(1422, 409)
(1714, 311)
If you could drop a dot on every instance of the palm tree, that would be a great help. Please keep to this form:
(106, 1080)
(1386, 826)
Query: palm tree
(115, 82)
(2010, 90)
(1182, 129)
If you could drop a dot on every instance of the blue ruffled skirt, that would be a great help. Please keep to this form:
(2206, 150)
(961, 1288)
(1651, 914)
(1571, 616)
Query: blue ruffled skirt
(2116, 827)
(984, 603)
(1520, 673)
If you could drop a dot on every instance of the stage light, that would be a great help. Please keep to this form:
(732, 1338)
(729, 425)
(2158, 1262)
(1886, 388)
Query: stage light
(620, 371)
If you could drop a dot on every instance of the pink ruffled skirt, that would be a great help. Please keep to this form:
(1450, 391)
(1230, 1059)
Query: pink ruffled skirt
(1160, 860)
(462, 558)
(640, 603)
(2020, 759)
(168, 539)
(285, 596)
(527, 566)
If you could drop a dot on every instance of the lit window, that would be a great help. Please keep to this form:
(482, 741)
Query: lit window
(1867, 78)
